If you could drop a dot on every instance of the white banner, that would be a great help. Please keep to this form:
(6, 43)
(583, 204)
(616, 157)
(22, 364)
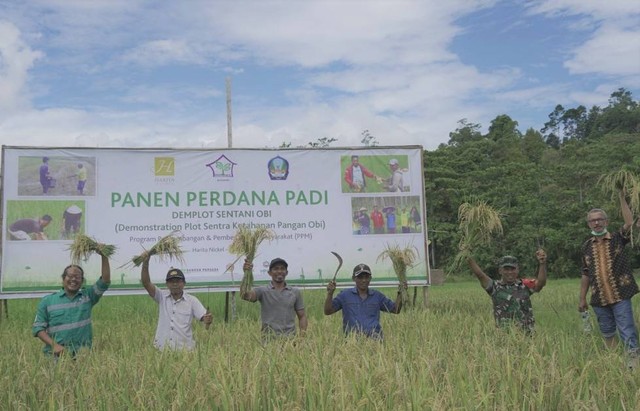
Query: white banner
(354, 201)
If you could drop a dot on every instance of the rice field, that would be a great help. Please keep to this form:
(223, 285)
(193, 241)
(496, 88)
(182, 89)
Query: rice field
(448, 356)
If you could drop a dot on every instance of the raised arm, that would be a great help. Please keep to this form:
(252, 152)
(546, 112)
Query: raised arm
(144, 276)
(328, 305)
(541, 279)
(477, 271)
(251, 294)
(106, 270)
(398, 303)
(627, 215)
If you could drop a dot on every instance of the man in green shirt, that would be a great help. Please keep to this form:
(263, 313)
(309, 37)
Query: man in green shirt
(63, 319)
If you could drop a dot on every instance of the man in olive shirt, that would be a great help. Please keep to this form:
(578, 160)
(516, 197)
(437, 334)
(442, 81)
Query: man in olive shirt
(63, 319)
(279, 302)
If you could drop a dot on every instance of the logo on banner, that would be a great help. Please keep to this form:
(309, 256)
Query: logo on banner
(278, 168)
(164, 169)
(222, 167)
(164, 166)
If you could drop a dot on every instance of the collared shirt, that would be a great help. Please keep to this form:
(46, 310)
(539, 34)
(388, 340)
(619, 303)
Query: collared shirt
(360, 315)
(278, 308)
(175, 319)
(607, 265)
(358, 177)
(68, 320)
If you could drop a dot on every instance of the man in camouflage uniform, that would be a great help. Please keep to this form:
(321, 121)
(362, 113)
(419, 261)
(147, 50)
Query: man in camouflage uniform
(606, 269)
(511, 295)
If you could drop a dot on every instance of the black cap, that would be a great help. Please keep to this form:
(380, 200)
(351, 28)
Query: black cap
(278, 261)
(360, 269)
(175, 273)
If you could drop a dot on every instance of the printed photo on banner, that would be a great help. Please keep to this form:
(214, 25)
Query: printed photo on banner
(36, 220)
(375, 174)
(386, 215)
(56, 176)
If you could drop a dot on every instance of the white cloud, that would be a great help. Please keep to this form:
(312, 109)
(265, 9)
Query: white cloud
(316, 34)
(597, 9)
(614, 46)
(610, 51)
(16, 59)
(161, 52)
(386, 66)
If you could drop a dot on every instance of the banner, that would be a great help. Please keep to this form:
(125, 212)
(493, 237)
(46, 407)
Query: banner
(355, 202)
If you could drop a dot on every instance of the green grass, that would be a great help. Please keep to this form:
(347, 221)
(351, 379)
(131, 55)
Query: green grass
(448, 356)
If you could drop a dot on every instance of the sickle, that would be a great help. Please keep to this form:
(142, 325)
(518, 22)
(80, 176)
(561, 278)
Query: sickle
(339, 264)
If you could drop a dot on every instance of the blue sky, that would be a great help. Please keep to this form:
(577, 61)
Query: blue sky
(127, 73)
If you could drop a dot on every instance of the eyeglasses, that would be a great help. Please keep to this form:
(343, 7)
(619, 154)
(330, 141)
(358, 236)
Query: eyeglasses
(597, 220)
(73, 277)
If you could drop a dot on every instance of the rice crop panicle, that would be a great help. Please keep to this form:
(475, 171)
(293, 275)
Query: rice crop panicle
(246, 242)
(478, 222)
(626, 181)
(167, 248)
(401, 258)
(83, 246)
(447, 357)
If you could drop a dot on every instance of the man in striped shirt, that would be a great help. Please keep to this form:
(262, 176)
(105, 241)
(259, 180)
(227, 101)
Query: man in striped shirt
(63, 319)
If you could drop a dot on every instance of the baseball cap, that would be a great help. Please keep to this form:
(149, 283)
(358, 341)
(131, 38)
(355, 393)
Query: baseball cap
(393, 161)
(508, 261)
(360, 269)
(277, 260)
(175, 273)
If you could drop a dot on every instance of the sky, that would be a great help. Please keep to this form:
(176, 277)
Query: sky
(128, 73)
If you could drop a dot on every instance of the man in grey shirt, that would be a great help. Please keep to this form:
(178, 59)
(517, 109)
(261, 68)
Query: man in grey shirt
(395, 183)
(279, 303)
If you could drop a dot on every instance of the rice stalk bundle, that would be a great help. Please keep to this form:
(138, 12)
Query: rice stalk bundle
(623, 179)
(627, 181)
(167, 248)
(246, 242)
(478, 222)
(83, 246)
(401, 258)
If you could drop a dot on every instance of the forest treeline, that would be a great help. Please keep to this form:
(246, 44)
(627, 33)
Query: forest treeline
(542, 182)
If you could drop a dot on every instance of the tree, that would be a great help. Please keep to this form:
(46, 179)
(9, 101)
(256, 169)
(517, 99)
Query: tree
(465, 132)
(368, 139)
(322, 142)
(503, 128)
(533, 145)
(622, 115)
